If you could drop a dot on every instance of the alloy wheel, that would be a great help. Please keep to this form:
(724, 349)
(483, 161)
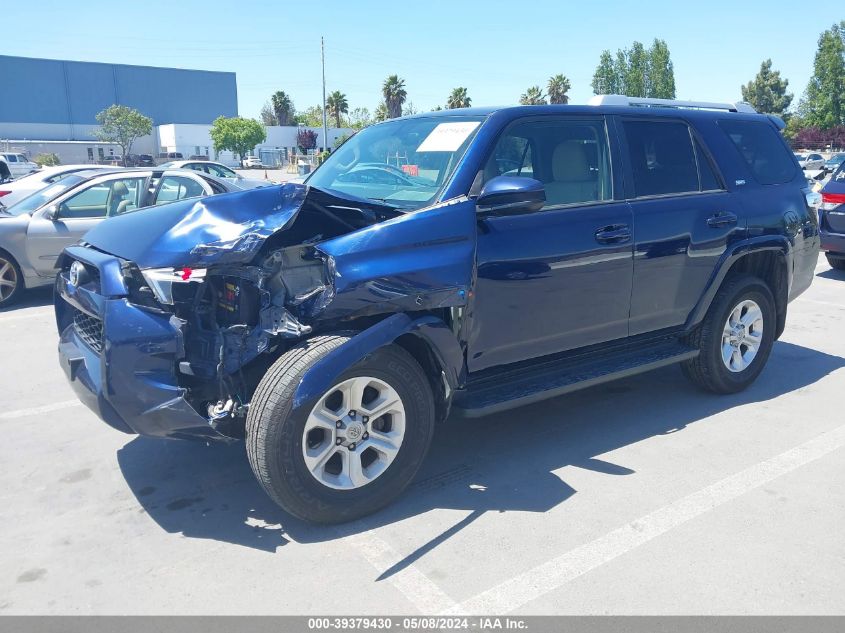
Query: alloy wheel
(742, 336)
(353, 433)
(8, 279)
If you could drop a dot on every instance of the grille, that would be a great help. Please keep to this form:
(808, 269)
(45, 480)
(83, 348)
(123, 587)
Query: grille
(89, 329)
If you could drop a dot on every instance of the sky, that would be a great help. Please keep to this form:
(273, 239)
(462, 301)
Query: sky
(496, 49)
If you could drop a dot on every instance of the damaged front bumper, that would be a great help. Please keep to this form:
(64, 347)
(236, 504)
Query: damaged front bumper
(121, 359)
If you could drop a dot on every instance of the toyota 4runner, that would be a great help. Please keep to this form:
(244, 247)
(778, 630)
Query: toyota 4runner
(467, 260)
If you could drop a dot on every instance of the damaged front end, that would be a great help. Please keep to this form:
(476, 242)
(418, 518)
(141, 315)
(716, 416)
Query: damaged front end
(169, 317)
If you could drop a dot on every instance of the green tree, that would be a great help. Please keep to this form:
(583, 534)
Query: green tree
(311, 117)
(458, 98)
(122, 125)
(533, 96)
(237, 135)
(394, 94)
(661, 71)
(360, 118)
(767, 91)
(268, 117)
(606, 79)
(636, 72)
(409, 108)
(637, 81)
(381, 113)
(282, 107)
(823, 105)
(337, 105)
(558, 87)
(47, 160)
(794, 124)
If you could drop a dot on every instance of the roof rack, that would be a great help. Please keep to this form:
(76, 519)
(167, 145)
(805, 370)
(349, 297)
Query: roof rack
(621, 100)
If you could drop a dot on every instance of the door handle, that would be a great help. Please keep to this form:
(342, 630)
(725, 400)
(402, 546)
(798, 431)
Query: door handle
(721, 218)
(613, 234)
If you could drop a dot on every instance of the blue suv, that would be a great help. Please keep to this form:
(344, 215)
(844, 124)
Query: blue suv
(468, 261)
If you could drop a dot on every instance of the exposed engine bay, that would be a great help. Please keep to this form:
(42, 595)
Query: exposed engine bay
(232, 314)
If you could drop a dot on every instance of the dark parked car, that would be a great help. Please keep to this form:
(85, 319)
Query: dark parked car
(145, 160)
(832, 219)
(833, 163)
(534, 251)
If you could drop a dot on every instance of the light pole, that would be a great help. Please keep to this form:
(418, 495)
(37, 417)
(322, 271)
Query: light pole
(325, 124)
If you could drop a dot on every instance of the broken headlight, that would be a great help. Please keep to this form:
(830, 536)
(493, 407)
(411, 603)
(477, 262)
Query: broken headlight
(162, 281)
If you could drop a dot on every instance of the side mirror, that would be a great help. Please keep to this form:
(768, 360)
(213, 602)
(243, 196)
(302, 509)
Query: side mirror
(52, 212)
(510, 195)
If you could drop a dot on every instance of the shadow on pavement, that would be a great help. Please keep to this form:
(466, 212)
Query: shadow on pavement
(832, 273)
(34, 298)
(502, 463)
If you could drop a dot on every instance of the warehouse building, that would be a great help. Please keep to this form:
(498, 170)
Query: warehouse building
(51, 105)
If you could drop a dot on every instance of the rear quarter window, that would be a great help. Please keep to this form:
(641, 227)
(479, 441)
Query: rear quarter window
(762, 149)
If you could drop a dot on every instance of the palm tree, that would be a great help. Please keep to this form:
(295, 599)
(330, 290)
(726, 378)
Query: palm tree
(394, 95)
(282, 107)
(458, 99)
(336, 105)
(533, 96)
(558, 87)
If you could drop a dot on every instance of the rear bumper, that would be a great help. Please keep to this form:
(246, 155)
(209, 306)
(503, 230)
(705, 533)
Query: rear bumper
(125, 371)
(833, 242)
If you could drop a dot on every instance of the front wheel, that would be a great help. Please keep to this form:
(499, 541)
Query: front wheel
(355, 448)
(736, 337)
(11, 280)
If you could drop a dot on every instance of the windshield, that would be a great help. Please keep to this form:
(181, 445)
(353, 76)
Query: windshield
(45, 195)
(404, 163)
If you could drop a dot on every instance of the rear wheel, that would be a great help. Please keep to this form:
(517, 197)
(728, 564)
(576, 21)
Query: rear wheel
(355, 448)
(11, 280)
(836, 261)
(736, 337)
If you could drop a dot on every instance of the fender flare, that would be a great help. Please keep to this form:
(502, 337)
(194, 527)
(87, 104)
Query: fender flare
(778, 244)
(433, 330)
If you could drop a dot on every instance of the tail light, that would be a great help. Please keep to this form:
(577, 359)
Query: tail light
(832, 200)
(4, 193)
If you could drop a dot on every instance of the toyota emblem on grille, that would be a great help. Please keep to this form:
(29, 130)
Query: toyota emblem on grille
(77, 272)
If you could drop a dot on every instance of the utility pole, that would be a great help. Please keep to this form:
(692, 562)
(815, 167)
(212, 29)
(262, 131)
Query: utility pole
(325, 124)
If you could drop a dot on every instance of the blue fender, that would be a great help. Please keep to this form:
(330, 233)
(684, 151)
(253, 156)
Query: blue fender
(775, 243)
(434, 331)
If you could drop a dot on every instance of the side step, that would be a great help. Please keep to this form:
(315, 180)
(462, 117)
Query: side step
(507, 389)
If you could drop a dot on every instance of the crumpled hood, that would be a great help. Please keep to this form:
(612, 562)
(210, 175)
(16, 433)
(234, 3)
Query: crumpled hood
(225, 228)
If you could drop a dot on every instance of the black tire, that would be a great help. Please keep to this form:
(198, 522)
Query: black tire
(707, 370)
(274, 433)
(9, 299)
(836, 261)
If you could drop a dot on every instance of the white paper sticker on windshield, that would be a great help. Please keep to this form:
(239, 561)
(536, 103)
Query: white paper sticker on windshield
(447, 137)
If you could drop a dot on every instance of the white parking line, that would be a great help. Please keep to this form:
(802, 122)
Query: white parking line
(419, 589)
(536, 582)
(22, 413)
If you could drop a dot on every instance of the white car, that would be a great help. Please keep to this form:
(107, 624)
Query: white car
(218, 170)
(251, 161)
(810, 161)
(12, 192)
(19, 165)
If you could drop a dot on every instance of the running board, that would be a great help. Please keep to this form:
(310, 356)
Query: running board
(516, 388)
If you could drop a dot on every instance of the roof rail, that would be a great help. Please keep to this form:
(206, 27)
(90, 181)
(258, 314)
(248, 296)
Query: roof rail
(621, 100)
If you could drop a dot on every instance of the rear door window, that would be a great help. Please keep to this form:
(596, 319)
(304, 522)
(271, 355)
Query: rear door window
(662, 157)
(762, 149)
(178, 188)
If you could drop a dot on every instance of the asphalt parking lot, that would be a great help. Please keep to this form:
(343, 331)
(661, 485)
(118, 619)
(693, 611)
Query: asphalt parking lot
(643, 496)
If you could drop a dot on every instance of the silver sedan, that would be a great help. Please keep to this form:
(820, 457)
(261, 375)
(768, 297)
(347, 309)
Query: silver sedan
(35, 231)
